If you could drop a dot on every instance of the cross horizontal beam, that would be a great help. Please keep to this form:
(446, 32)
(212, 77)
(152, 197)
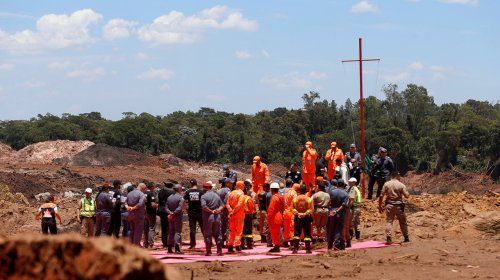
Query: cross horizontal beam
(357, 60)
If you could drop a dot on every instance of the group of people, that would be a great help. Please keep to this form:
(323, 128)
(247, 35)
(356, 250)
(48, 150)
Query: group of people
(306, 206)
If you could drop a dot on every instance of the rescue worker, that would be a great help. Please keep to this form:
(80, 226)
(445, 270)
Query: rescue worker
(85, 213)
(394, 191)
(104, 206)
(293, 174)
(48, 212)
(223, 193)
(116, 221)
(228, 173)
(321, 201)
(136, 207)
(338, 204)
(288, 215)
(163, 196)
(260, 175)
(236, 214)
(175, 204)
(263, 199)
(331, 155)
(356, 208)
(302, 209)
(212, 207)
(193, 199)
(150, 221)
(355, 170)
(249, 207)
(309, 157)
(275, 216)
(352, 154)
(341, 171)
(248, 186)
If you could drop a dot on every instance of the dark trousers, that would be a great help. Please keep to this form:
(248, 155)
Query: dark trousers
(247, 226)
(102, 222)
(125, 228)
(115, 224)
(193, 219)
(49, 224)
(149, 230)
(164, 229)
(302, 224)
(224, 225)
(371, 183)
(334, 228)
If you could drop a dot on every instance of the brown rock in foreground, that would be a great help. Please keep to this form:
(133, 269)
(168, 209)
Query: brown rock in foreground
(71, 256)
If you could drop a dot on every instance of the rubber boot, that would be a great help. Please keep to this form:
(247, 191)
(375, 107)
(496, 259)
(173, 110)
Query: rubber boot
(238, 249)
(263, 239)
(208, 247)
(348, 244)
(358, 234)
(275, 249)
(219, 249)
(243, 247)
(230, 249)
(351, 232)
(285, 244)
(170, 251)
(308, 247)
(249, 243)
(407, 239)
(295, 246)
(388, 241)
(178, 250)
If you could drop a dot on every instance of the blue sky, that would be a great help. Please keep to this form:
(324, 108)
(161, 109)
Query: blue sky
(238, 56)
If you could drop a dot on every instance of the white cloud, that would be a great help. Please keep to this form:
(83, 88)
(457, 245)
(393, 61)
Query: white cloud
(288, 81)
(6, 66)
(118, 29)
(58, 65)
(16, 15)
(439, 73)
(142, 56)
(417, 66)
(462, 2)
(176, 28)
(398, 77)
(156, 74)
(318, 75)
(52, 32)
(364, 7)
(265, 53)
(33, 84)
(87, 74)
(242, 54)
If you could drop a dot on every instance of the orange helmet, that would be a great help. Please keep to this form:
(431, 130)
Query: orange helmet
(256, 159)
(240, 185)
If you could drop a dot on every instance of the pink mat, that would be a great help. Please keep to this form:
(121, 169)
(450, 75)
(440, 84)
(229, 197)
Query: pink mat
(174, 261)
(365, 245)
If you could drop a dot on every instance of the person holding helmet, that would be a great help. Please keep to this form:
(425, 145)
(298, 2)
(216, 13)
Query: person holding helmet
(260, 175)
(331, 155)
(275, 216)
(236, 214)
(309, 157)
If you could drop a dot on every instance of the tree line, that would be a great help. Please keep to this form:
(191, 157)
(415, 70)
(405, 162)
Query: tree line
(418, 134)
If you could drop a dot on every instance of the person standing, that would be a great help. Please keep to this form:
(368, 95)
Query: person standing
(104, 206)
(150, 221)
(394, 191)
(249, 207)
(124, 212)
(303, 209)
(212, 207)
(309, 157)
(293, 174)
(275, 216)
(236, 214)
(355, 170)
(85, 213)
(338, 203)
(163, 196)
(355, 194)
(260, 175)
(116, 221)
(341, 171)
(136, 207)
(331, 155)
(48, 212)
(263, 199)
(352, 154)
(288, 216)
(193, 199)
(175, 204)
(321, 201)
(381, 171)
(223, 193)
(228, 173)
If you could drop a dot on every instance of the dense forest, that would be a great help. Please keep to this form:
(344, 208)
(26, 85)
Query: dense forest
(418, 134)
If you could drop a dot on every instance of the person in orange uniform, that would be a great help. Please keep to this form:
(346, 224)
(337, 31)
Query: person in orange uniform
(249, 207)
(275, 216)
(288, 198)
(309, 157)
(303, 209)
(236, 214)
(260, 175)
(331, 155)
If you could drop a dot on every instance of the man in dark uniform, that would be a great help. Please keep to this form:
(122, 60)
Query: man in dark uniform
(381, 171)
(352, 154)
(163, 195)
(294, 174)
(263, 199)
(150, 221)
(223, 194)
(355, 171)
(212, 207)
(175, 204)
(338, 203)
(104, 206)
(193, 199)
(228, 173)
(116, 219)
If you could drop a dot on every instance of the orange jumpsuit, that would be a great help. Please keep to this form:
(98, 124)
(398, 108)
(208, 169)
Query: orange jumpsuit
(309, 168)
(336, 153)
(260, 175)
(275, 217)
(288, 215)
(236, 212)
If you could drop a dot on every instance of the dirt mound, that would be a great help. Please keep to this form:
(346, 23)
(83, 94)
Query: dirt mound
(105, 155)
(5, 151)
(488, 222)
(59, 152)
(73, 257)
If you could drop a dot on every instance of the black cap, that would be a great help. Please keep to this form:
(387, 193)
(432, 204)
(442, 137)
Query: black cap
(117, 182)
(169, 183)
(288, 181)
(341, 182)
(150, 185)
(193, 182)
(222, 180)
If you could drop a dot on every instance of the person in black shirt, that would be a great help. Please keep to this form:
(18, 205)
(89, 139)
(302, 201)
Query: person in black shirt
(163, 195)
(150, 221)
(294, 174)
(355, 171)
(381, 171)
(116, 221)
(193, 199)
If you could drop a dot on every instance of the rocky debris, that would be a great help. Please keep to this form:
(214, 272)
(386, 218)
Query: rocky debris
(488, 222)
(6, 151)
(42, 196)
(71, 256)
(105, 155)
(48, 152)
(71, 194)
(170, 160)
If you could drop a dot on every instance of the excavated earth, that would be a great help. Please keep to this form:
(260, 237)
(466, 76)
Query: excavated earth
(454, 218)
